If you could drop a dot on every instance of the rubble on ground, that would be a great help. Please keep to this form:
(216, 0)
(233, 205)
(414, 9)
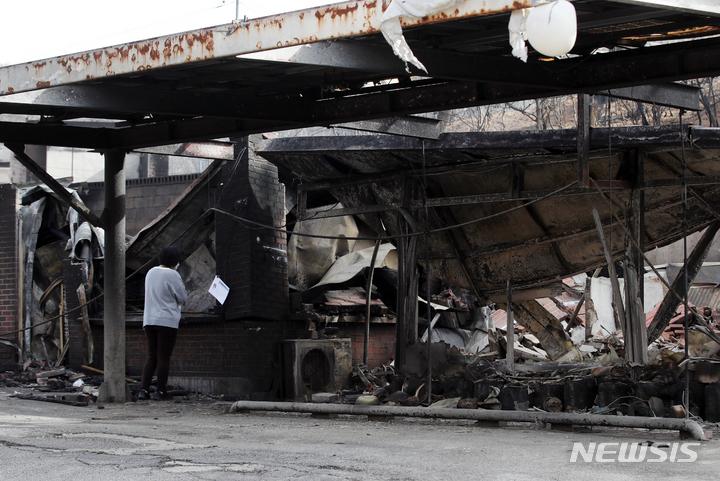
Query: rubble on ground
(469, 352)
(63, 386)
(469, 381)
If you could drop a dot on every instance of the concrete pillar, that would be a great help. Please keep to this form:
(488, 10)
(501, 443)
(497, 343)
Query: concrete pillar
(114, 388)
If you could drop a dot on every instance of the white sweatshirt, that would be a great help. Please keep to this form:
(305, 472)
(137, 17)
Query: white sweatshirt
(164, 293)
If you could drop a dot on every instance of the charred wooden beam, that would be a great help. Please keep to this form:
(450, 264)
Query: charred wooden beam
(705, 204)
(573, 318)
(546, 327)
(517, 180)
(48, 399)
(704, 180)
(638, 172)
(617, 297)
(636, 340)
(510, 330)
(671, 301)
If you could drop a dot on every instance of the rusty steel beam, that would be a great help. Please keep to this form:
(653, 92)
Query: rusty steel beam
(342, 20)
(47, 179)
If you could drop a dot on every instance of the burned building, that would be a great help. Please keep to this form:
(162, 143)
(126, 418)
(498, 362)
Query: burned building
(533, 191)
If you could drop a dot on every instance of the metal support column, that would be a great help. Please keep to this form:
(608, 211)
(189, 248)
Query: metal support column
(583, 140)
(510, 331)
(406, 327)
(636, 340)
(114, 388)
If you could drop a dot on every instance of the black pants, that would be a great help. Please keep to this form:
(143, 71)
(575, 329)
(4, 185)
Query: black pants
(161, 342)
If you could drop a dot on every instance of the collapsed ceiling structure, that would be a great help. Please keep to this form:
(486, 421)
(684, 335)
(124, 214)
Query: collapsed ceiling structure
(546, 231)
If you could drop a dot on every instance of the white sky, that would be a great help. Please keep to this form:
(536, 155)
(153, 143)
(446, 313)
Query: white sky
(37, 29)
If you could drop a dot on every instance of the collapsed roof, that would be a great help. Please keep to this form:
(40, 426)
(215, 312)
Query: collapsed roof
(505, 205)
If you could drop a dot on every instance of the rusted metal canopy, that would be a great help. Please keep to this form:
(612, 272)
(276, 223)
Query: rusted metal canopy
(233, 80)
(341, 20)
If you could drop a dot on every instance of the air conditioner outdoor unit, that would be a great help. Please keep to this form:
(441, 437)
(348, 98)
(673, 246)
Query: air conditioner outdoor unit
(309, 367)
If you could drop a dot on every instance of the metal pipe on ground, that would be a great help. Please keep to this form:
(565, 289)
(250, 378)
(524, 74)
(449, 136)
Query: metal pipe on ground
(683, 425)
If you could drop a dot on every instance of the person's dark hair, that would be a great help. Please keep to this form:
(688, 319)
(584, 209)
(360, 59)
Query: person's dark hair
(169, 256)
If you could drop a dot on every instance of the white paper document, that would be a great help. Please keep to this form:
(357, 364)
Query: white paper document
(219, 290)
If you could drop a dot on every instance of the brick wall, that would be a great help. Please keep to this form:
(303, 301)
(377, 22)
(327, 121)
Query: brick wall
(231, 358)
(9, 274)
(235, 358)
(252, 260)
(146, 198)
(382, 342)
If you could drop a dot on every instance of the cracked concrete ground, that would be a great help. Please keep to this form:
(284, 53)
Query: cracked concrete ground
(195, 440)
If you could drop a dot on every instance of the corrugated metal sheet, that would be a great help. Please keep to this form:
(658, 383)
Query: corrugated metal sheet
(705, 296)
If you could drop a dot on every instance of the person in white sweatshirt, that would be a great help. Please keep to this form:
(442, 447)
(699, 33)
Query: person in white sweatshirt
(164, 294)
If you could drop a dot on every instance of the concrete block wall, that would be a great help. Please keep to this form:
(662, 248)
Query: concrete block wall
(145, 198)
(9, 272)
(252, 260)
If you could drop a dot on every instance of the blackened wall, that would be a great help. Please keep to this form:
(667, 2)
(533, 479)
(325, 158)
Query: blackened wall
(236, 358)
(77, 342)
(9, 274)
(146, 198)
(239, 355)
(252, 259)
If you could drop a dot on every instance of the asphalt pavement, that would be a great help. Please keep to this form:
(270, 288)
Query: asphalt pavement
(193, 438)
